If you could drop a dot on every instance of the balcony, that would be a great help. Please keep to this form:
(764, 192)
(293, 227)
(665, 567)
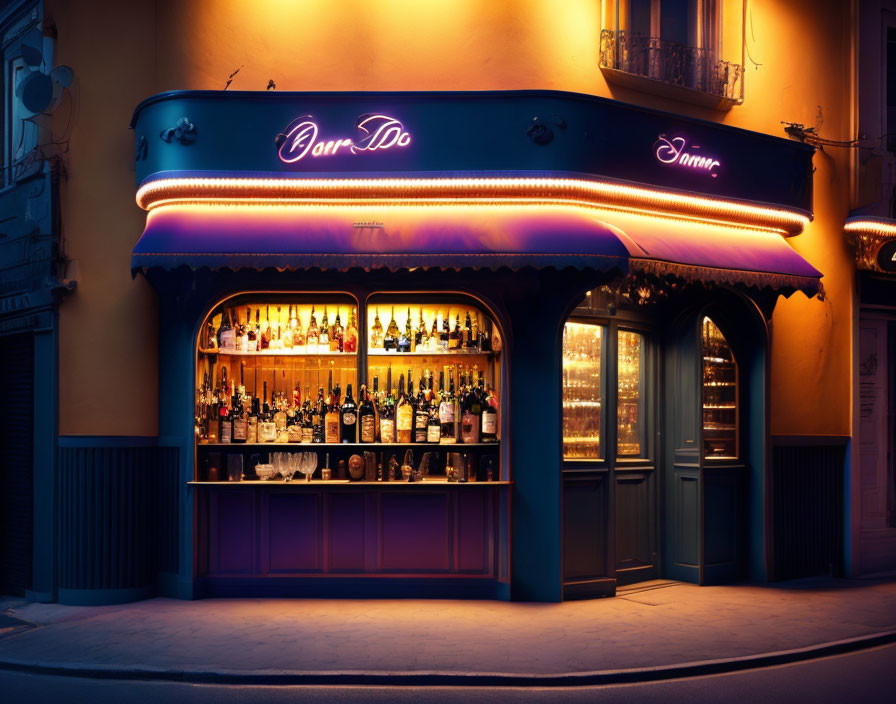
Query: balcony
(654, 65)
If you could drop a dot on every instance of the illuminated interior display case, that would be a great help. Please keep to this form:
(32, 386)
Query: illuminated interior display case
(720, 401)
(396, 388)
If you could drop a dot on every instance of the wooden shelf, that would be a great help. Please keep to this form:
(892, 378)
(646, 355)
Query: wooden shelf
(285, 352)
(308, 446)
(433, 353)
(317, 483)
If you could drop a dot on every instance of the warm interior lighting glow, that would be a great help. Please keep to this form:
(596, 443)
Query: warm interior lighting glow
(468, 191)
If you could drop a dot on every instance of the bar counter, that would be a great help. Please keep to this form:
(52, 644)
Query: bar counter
(342, 537)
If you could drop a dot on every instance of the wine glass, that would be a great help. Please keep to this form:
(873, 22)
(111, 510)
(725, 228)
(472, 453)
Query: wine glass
(309, 464)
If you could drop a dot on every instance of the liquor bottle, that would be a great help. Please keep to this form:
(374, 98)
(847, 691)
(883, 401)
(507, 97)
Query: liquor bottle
(323, 343)
(376, 332)
(433, 426)
(348, 417)
(404, 415)
(226, 424)
(240, 425)
(298, 332)
(420, 335)
(267, 431)
(454, 337)
(447, 432)
(266, 334)
(277, 333)
(312, 339)
(432, 342)
(257, 329)
(337, 336)
(404, 339)
(489, 431)
(421, 415)
(226, 334)
(252, 421)
(305, 421)
(318, 414)
(469, 339)
(250, 337)
(474, 333)
(471, 416)
(279, 416)
(445, 335)
(366, 418)
(287, 336)
(387, 413)
(350, 343)
(331, 418)
(390, 341)
(239, 331)
(376, 401)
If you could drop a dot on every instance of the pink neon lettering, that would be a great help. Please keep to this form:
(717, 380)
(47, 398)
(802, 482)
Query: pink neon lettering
(374, 132)
(672, 151)
(300, 136)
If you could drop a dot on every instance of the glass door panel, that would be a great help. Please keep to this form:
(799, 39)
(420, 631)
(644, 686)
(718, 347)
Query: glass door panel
(582, 390)
(630, 398)
(719, 395)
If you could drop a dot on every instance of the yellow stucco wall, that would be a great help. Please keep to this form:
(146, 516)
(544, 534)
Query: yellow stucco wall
(124, 52)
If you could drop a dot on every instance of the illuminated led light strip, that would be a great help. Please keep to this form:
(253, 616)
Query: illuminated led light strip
(470, 190)
(598, 210)
(881, 228)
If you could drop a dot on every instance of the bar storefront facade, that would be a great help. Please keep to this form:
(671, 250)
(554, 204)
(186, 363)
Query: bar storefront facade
(516, 340)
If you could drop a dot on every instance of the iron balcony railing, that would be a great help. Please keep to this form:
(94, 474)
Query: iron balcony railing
(671, 63)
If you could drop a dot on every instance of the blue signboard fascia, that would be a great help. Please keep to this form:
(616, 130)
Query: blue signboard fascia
(474, 133)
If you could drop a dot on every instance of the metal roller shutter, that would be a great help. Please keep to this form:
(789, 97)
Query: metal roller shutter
(16, 463)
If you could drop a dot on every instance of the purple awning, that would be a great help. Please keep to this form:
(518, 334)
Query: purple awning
(401, 237)
(455, 236)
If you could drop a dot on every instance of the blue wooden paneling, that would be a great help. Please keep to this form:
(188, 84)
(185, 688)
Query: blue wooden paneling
(114, 527)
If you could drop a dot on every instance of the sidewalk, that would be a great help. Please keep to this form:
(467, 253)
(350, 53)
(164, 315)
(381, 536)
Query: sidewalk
(652, 631)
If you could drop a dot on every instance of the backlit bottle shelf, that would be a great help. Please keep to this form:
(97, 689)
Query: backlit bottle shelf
(284, 352)
(430, 353)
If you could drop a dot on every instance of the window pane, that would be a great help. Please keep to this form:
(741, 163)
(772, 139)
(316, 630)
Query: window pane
(719, 394)
(581, 391)
(629, 414)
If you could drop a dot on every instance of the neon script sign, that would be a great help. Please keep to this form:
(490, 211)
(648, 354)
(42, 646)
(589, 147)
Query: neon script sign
(672, 151)
(374, 132)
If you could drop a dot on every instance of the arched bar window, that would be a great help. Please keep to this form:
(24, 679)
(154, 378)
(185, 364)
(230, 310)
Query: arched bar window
(720, 397)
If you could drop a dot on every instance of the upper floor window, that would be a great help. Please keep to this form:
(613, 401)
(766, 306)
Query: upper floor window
(19, 23)
(688, 49)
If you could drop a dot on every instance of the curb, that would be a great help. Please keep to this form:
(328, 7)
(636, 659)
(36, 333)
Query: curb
(461, 679)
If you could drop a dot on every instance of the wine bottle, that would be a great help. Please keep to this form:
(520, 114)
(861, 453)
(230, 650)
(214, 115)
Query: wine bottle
(376, 332)
(390, 341)
(454, 336)
(489, 430)
(250, 337)
(404, 339)
(226, 334)
(312, 338)
(421, 414)
(387, 413)
(471, 416)
(420, 337)
(350, 343)
(348, 417)
(404, 422)
(366, 418)
(331, 419)
(323, 342)
(337, 338)
(317, 417)
(447, 433)
(266, 335)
